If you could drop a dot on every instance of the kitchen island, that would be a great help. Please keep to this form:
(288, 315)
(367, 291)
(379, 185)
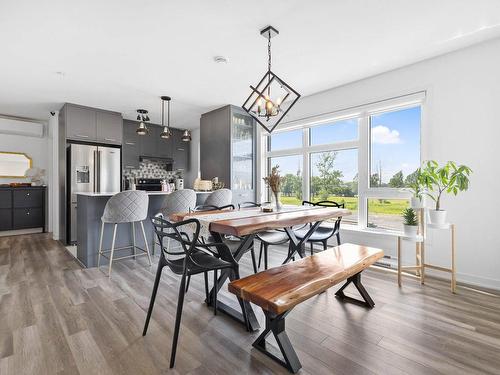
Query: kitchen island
(90, 209)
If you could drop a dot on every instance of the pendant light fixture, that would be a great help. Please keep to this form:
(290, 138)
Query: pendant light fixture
(186, 136)
(166, 133)
(272, 98)
(142, 116)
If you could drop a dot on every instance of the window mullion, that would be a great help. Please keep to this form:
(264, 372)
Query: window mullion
(363, 169)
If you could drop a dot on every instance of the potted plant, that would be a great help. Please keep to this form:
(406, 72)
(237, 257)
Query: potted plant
(410, 222)
(273, 181)
(415, 186)
(437, 180)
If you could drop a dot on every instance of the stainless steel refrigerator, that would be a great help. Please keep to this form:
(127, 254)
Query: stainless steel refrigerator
(91, 169)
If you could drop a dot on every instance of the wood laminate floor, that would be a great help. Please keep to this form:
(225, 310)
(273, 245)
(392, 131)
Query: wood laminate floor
(56, 318)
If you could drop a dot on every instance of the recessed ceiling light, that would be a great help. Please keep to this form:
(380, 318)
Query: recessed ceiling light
(220, 59)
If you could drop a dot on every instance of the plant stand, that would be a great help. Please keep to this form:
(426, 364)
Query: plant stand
(420, 264)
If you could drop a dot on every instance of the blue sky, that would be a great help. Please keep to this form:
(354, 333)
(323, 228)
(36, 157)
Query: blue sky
(395, 144)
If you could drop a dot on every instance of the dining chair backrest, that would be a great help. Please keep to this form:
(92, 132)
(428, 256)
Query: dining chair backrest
(179, 201)
(126, 207)
(327, 203)
(178, 232)
(219, 198)
(248, 204)
(210, 207)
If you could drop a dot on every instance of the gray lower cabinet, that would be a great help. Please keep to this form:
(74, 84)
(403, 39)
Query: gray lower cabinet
(92, 125)
(22, 208)
(227, 143)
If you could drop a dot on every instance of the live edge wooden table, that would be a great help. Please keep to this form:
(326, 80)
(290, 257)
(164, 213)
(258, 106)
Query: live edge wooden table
(246, 225)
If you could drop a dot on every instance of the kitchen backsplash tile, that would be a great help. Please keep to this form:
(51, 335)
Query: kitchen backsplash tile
(151, 169)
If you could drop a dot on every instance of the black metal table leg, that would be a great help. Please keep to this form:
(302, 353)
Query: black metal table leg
(356, 281)
(297, 246)
(275, 324)
(251, 323)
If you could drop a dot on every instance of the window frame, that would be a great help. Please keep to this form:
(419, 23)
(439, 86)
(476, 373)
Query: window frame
(363, 145)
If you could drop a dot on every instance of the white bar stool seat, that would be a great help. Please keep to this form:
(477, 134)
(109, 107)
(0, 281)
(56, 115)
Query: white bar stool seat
(125, 207)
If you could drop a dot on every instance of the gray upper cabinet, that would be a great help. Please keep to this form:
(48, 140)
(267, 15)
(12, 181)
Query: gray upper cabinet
(92, 125)
(227, 143)
(109, 127)
(80, 123)
(180, 150)
(131, 145)
(149, 142)
(163, 146)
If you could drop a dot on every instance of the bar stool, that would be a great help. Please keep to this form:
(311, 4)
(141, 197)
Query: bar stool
(125, 207)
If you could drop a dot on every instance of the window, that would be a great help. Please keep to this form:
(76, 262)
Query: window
(386, 213)
(362, 157)
(395, 147)
(334, 177)
(285, 140)
(345, 130)
(290, 168)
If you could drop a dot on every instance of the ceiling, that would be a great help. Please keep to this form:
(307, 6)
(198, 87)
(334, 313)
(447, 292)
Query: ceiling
(123, 54)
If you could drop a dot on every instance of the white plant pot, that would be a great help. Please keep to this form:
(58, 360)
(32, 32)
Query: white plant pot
(415, 202)
(410, 230)
(437, 217)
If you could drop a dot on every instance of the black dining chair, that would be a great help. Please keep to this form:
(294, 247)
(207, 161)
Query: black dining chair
(210, 207)
(322, 233)
(270, 237)
(192, 260)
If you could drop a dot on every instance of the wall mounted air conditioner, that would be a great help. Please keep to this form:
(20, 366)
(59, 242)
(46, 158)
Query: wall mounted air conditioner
(23, 127)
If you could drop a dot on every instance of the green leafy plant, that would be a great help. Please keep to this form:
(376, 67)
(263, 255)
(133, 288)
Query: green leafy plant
(449, 178)
(415, 183)
(410, 217)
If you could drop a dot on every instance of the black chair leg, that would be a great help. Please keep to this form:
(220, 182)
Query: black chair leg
(265, 255)
(254, 263)
(206, 285)
(180, 303)
(260, 253)
(338, 238)
(215, 292)
(325, 244)
(161, 264)
(187, 284)
(312, 250)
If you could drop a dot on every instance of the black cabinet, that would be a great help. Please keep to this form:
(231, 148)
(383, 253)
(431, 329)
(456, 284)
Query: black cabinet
(22, 208)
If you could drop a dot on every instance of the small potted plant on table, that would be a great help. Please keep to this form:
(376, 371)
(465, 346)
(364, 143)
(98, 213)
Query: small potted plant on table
(410, 222)
(274, 181)
(437, 180)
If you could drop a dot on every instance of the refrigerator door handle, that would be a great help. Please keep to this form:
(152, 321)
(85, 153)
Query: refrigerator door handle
(98, 170)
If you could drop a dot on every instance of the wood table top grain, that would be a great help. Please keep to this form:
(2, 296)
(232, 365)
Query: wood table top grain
(256, 222)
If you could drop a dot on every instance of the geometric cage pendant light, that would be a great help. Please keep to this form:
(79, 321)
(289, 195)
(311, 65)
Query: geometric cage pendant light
(167, 132)
(142, 116)
(272, 98)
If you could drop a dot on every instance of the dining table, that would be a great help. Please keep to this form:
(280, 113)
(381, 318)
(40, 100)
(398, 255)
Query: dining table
(244, 224)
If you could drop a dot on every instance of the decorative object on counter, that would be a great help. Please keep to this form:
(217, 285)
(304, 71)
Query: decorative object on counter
(410, 222)
(186, 136)
(437, 180)
(216, 184)
(36, 175)
(273, 181)
(14, 164)
(142, 116)
(166, 133)
(179, 183)
(266, 109)
(202, 185)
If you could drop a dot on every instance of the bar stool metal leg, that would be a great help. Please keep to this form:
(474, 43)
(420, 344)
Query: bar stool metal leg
(100, 245)
(112, 249)
(146, 242)
(133, 239)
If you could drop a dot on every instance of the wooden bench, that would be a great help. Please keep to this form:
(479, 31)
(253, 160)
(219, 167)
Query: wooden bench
(278, 290)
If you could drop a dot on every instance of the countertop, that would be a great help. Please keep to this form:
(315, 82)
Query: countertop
(109, 194)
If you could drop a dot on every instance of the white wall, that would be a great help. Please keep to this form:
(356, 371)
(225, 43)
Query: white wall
(460, 122)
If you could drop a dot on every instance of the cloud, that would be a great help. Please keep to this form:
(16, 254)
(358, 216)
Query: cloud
(383, 135)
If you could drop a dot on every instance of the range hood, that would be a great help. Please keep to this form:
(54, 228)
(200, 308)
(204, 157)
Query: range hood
(156, 158)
